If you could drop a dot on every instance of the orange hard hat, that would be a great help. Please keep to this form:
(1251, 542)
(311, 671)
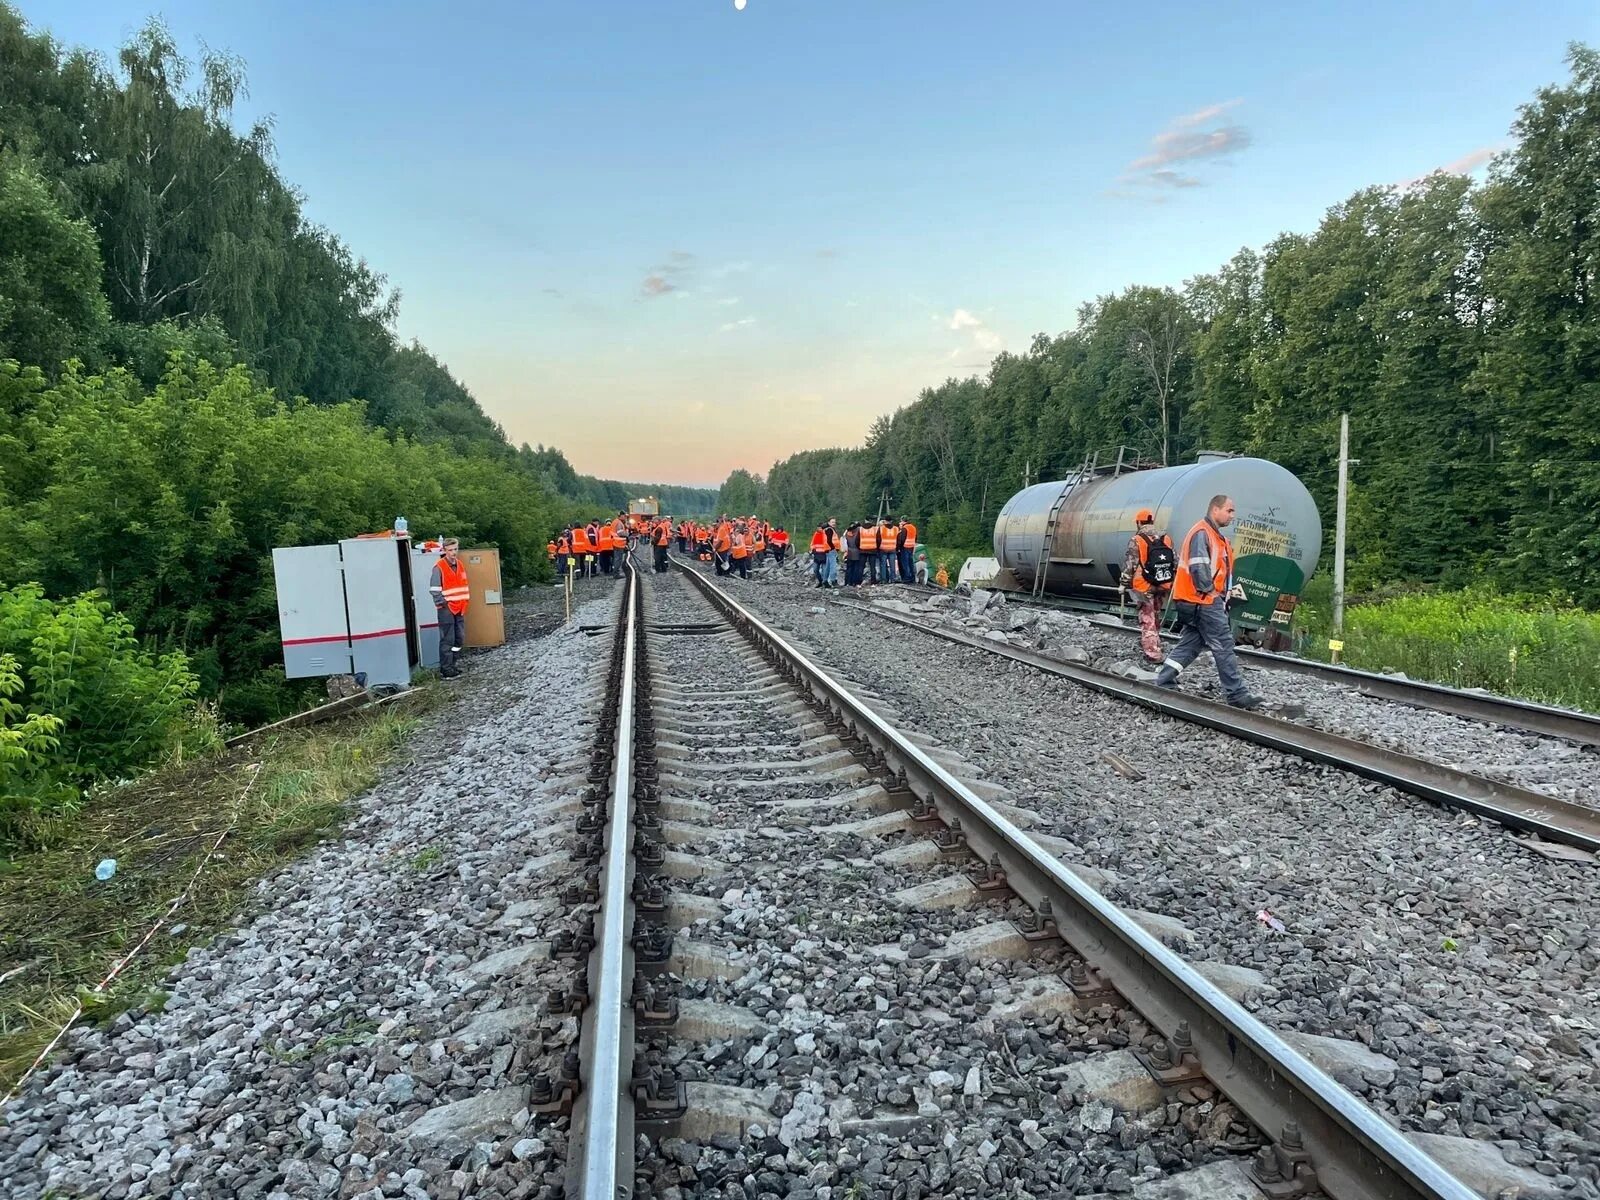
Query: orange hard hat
(1144, 517)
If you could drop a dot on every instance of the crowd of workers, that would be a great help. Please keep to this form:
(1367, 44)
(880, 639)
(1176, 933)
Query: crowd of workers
(734, 545)
(874, 550)
(1196, 578)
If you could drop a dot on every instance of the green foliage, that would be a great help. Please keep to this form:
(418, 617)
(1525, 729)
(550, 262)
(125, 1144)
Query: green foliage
(29, 746)
(51, 307)
(119, 706)
(1457, 325)
(170, 501)
(740, 494)
(1539, 647)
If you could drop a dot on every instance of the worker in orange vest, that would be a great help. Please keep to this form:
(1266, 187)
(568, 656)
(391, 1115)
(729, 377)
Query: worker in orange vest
(448, 586)
(1201, 591)
(563, 551)
(662, 539)
(550, 550)
(820, 544)
(779, 541)
(888, 556)
(582, 549)
(721, 546)
(1149, 568)
(867, 544)
(906, 550)
(739, 550)
(605, 546)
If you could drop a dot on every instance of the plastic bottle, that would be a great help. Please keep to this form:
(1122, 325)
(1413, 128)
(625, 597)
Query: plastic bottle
(400, 525)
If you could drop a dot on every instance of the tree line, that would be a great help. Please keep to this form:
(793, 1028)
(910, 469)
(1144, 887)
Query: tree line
(1457, 323)
(192, 372)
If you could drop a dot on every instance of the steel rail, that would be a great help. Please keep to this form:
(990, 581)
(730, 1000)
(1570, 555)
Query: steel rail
(1357, 1154)
(603, 1115)
(1517, 808)
(1546, 720)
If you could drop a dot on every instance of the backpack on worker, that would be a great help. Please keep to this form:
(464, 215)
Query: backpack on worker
(1160, 565)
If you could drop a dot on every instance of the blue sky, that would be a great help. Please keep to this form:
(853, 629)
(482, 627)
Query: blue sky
(673, 238)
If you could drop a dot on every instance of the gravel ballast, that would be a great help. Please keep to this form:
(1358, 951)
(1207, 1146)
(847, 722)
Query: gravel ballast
(883, 1064)
(1427, 935)
(361, 1032)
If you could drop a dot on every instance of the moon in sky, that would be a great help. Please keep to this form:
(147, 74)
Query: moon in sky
(739, 4)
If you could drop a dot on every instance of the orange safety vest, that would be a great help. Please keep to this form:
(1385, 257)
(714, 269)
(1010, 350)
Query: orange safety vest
(1183, 588)
(780, 539)
(760, 540)
(550, 549)
(1139, 583)
(888, 535)
(911, 535)
(867, 539)
(580, 541)
(663, 534)
(563, 544)
(740, 549)
(819, 541)
(454, 581)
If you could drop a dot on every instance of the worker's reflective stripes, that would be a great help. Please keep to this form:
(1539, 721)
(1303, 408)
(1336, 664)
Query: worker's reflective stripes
(1204, 572)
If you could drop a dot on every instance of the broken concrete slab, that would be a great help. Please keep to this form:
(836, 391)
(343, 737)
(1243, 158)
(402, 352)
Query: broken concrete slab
(503, 962)
(1481, 1167)
(465, 1120)
(718, 1108)
(702, 960)
(952, 891)
(707, 1021)
(678, 865)
(1117, 1079)
(1337, 1056)
(486, 1029)
(1165, 929)
(1225, 1180)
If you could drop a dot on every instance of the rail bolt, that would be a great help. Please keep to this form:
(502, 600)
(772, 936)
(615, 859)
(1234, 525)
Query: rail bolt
(1038, 924)
(1171, 1061)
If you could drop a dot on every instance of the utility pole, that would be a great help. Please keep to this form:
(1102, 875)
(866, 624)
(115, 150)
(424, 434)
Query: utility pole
(1027, 469)
(1336, 643)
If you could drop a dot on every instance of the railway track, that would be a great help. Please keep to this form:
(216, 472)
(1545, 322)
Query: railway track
(829, 959)
(1546, 817)
(1572, 725)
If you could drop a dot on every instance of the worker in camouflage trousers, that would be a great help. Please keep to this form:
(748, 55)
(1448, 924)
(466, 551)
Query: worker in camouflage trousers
(1148, 569)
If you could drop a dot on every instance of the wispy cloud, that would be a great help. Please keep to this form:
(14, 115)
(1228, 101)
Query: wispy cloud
(728, 301)
(984, 338)
(1206, 133)
(1465, 165)
(741, 323)
(668, 276)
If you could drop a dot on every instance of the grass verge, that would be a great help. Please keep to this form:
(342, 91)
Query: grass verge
(62, 929)
(1537, 647)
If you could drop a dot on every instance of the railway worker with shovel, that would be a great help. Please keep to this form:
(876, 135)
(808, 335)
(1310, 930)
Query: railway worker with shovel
(1200, 592)
(1148, 569)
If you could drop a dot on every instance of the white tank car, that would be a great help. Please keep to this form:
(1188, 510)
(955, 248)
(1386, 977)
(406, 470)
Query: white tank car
(1087, 521)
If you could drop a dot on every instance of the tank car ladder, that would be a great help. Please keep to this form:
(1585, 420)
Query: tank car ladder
(1091, 463)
